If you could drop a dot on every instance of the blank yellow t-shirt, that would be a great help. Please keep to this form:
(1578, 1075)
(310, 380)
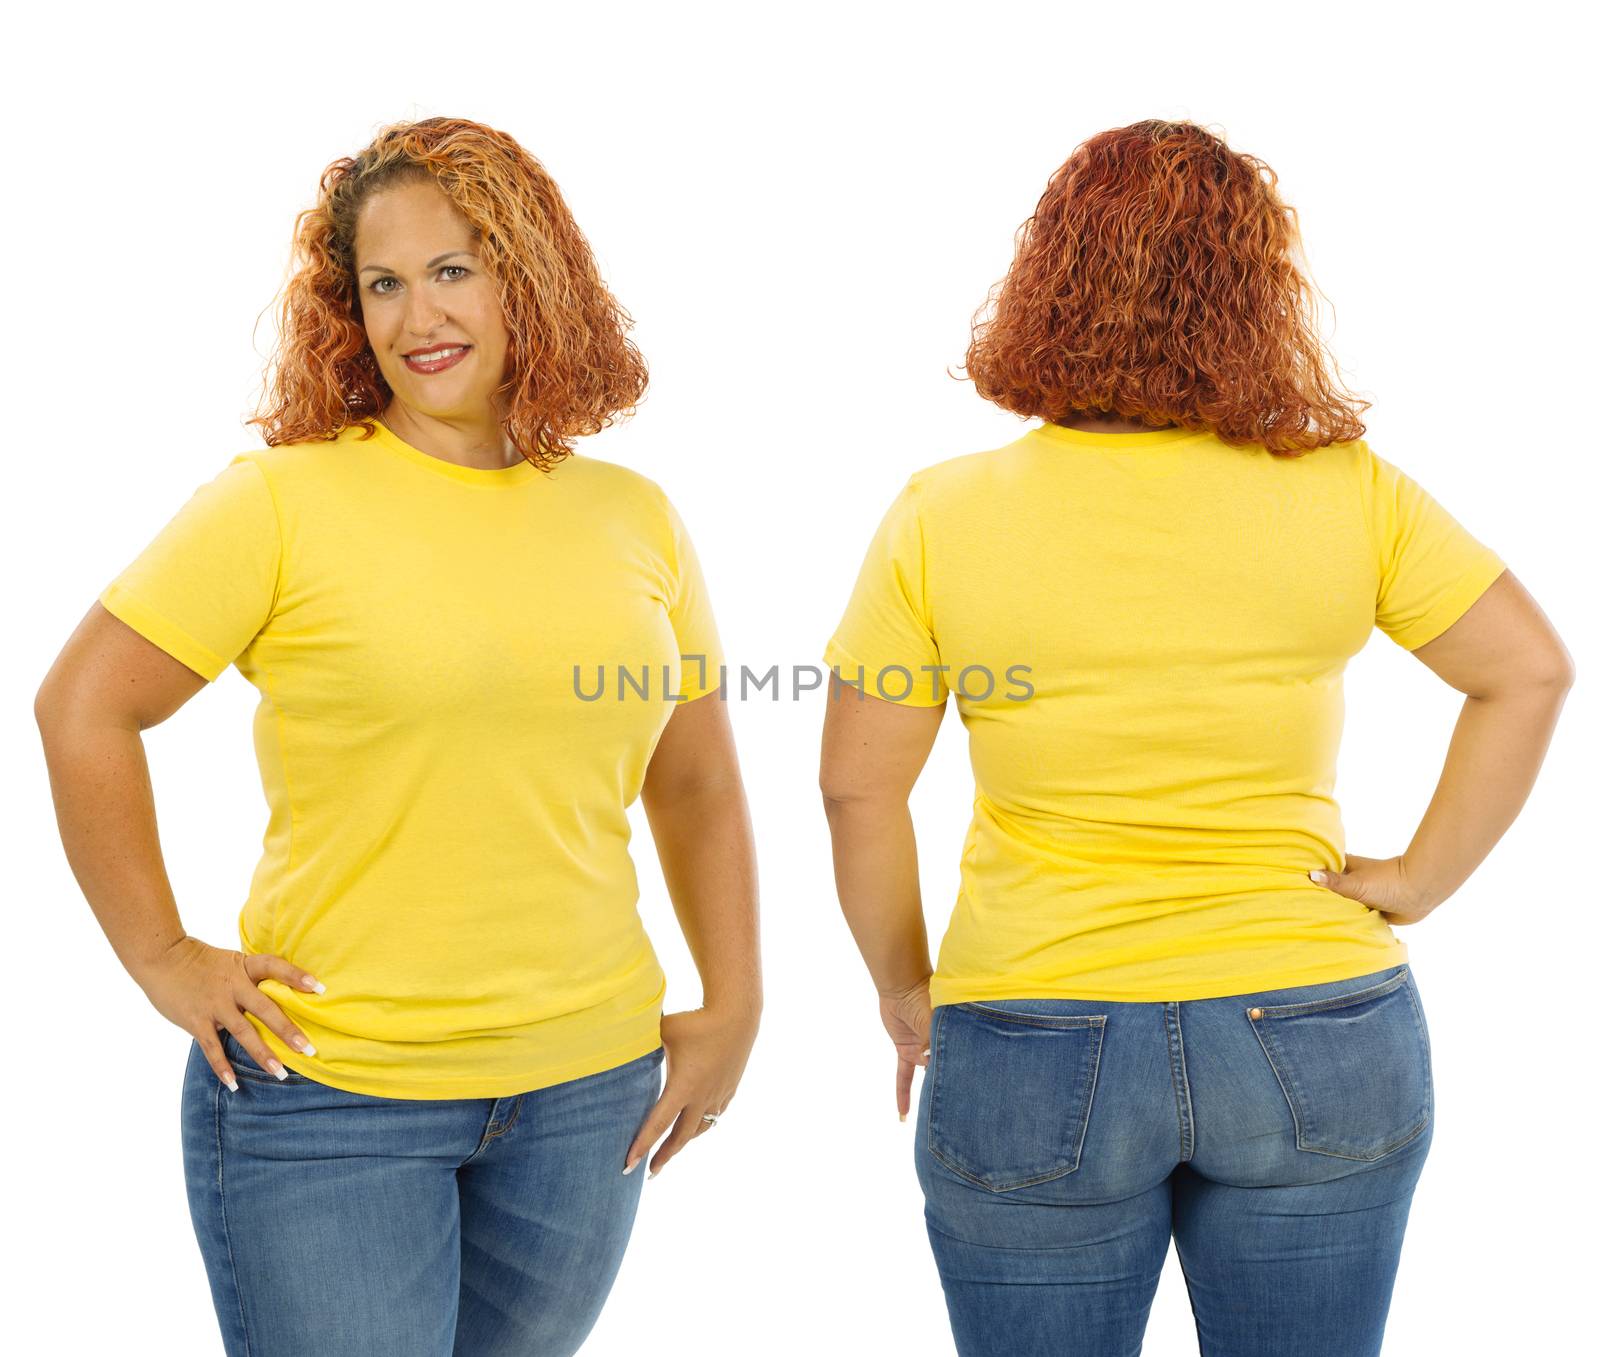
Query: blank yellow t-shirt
(1146, 635)
(446, 776)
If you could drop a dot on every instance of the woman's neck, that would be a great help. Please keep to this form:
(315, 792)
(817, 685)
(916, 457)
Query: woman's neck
(481, 444)
(1093, 423)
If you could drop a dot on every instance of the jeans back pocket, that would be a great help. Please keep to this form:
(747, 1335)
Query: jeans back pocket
(1010, 1092)
(1355, 1068)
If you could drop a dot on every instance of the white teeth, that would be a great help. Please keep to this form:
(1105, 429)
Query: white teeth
(436, 355)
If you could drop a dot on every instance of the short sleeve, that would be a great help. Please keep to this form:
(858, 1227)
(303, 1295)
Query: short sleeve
(1430, 568)
(206, 584)
(693, 622)
(885, 644)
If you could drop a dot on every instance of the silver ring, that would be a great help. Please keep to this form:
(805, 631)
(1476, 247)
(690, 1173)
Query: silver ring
(709, 1116)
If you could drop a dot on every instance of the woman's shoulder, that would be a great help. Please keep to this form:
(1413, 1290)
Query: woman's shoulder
(623, 497)
(954, 480)
(619, 484)
(302, 455)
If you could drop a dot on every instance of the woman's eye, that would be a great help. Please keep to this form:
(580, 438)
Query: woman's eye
(377, 284)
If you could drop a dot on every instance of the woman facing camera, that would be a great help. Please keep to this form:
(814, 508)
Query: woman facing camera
(418, 1094)
(1169, 1005)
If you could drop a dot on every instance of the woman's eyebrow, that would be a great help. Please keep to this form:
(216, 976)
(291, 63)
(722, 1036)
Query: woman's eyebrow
(431, 264)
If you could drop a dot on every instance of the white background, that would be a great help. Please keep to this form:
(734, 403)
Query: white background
(802, 209)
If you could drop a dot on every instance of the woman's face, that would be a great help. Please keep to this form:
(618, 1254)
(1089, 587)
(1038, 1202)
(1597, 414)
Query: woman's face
(423, 287)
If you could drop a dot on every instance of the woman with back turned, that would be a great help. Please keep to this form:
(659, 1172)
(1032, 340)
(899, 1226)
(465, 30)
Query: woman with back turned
(1169, 1004)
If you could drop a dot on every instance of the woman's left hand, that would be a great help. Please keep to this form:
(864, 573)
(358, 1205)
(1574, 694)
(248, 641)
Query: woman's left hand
(907, 1017)
(706, 1054)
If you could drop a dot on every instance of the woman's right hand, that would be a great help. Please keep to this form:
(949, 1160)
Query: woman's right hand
(907, 1018)
(1381, 884)
(203, 988)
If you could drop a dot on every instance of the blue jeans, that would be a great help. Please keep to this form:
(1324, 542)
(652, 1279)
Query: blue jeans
(343, 1223)
(1276, 1137)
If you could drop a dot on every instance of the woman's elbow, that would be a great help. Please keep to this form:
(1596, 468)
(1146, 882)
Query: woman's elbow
(844, 791)
(837, 784)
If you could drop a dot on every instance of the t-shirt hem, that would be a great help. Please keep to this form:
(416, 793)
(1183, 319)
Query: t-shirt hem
(693, 689)
(865, 678)
(1449, 610)
(945, 991)
(117, 601)
(439, 1089)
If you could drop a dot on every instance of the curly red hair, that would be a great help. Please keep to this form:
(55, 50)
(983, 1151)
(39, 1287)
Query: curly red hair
(570, 368)
(1157, 280)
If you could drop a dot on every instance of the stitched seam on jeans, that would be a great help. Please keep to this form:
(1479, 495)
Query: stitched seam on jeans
(1335, 1001)
(1058, 1022)
(1088, 1104)
(1427, 1046)
(516, 1111)
(1406, 1139)
(935, 1049)
(1185, 1098)
(1288, 1098)
(1009, 1187)
(1172, 1074)
(227, 1238)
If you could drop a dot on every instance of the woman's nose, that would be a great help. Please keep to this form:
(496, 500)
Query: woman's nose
(423, 317)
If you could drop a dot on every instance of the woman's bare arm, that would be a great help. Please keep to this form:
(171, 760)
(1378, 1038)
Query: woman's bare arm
(694, 799)
(873, 751)
(107, 686)
(1506, 657)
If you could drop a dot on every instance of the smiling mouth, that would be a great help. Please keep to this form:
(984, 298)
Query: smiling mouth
(436, 360)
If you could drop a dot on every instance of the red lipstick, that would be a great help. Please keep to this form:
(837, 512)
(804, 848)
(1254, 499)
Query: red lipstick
(436, 357)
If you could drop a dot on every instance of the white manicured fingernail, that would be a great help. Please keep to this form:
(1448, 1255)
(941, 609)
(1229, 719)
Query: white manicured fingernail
(630, 1168)
(278, 1069)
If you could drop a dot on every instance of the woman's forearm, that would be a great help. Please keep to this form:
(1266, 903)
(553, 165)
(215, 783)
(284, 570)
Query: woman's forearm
(708, 860)
(1495, 753)
(875, 869)
(105, 810)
